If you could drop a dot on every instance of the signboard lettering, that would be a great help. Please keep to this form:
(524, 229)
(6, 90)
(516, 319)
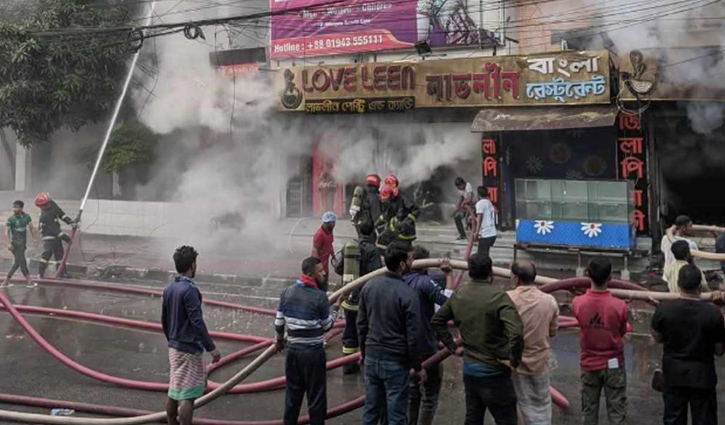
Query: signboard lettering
(632, 157)
(563, 79)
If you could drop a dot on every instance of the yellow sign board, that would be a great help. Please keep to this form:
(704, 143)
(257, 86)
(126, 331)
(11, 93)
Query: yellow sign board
(562, 78)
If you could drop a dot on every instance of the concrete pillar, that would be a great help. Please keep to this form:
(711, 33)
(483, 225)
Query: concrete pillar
(23, 169)
(116, 189)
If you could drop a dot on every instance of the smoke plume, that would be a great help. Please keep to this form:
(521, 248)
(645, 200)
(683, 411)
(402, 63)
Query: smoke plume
(227, 153)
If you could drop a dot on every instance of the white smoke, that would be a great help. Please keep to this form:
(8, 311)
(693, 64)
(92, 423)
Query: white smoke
(226, 150)
(705, 117)
(679, 29)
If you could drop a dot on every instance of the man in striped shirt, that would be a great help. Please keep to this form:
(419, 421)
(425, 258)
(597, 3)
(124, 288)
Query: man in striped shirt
(305, 311)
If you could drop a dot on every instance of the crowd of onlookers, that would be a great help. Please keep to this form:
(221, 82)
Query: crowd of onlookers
(400, 318)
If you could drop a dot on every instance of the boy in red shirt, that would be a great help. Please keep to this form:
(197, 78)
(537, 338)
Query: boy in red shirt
(602, 323)
(322, 245)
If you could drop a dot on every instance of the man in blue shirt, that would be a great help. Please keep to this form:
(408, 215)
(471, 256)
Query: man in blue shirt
(305, 311)
(184, 327)
(423, 399)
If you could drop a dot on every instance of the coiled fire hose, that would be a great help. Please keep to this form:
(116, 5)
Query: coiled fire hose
(550, 285)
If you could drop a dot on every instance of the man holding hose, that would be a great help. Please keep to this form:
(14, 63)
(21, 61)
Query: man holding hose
(184, 327)
(306, 314)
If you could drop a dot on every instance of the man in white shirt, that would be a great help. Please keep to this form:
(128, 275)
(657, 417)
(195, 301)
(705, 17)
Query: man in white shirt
(486, 222)
(683, 227)
(466, 191)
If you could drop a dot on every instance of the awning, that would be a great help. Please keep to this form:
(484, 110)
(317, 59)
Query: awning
(544, 118)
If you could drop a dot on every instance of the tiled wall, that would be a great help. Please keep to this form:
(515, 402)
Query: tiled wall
(115, 218)
(126, 218)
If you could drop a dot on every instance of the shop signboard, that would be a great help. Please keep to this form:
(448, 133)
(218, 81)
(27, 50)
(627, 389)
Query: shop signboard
(303, 28)
(632, 160)
(671, 74)
(562, 78)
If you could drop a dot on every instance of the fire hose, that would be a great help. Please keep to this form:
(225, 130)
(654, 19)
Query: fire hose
(469, 247)
(23, 417)
(669, 234)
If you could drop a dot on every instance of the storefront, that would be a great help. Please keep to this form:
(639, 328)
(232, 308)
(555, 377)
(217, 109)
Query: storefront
(679, 98)
(546, 116)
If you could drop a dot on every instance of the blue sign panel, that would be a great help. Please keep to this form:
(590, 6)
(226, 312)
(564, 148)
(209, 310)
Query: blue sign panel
(600, 235)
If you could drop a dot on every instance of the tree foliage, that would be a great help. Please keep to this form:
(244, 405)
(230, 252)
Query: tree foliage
(132, 143)
(51, 80)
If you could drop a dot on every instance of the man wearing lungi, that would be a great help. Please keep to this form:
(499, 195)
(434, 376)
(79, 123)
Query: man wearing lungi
(188, 337)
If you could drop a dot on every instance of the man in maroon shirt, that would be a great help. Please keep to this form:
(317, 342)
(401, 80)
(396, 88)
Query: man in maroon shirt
(603, 323)
(322, 245)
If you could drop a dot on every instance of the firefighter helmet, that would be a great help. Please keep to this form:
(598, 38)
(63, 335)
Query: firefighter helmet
(372, 180)
(42, 199)
(388, 192)
(392, 181)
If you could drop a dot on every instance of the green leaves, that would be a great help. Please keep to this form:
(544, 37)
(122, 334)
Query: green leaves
(51, 81)
(132, 143)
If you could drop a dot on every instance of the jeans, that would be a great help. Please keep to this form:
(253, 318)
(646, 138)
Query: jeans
(485, 244)
(459, 218)
(305, 370)
(702, 403)
(614, 382)
(495, 394)
(423, 400)
(19, 262)
(386, 384)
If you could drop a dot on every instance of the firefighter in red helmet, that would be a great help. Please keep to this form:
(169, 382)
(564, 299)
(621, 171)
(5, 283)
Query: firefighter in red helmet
(49, 226)
(365, 205)
(392, 181)
(398, 217)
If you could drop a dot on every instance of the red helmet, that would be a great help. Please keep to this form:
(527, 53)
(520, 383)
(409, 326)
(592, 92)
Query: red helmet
(385, 193)
(392, 181)
(372, 180)
(42, 199)
(388, 192)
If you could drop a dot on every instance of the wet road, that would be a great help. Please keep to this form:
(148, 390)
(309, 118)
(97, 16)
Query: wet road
(27, 370)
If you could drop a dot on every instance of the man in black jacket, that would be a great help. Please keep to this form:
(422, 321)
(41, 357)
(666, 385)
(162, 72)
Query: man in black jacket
(388, 325)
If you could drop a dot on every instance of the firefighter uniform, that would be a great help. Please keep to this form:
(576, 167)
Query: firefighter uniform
(397, 220)
(360, 257)
(365, 205)
(50, 231)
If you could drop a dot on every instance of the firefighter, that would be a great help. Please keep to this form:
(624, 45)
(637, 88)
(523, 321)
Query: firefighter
(360, 258)
(50, 231)
(365, 204)
(398, 217)
(392, 181)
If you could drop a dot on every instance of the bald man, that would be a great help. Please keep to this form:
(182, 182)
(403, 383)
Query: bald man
(540, 315)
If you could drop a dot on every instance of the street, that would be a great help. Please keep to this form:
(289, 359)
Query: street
(142, 355)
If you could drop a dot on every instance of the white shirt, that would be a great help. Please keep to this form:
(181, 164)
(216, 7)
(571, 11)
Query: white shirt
(485, 209)
(666, 247)
(467, 192)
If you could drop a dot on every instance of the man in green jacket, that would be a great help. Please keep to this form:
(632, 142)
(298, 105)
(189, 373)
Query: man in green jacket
(493, 343)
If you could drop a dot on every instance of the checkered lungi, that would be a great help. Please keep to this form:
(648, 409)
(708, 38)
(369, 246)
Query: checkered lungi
(187, 375)
(534, 398)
